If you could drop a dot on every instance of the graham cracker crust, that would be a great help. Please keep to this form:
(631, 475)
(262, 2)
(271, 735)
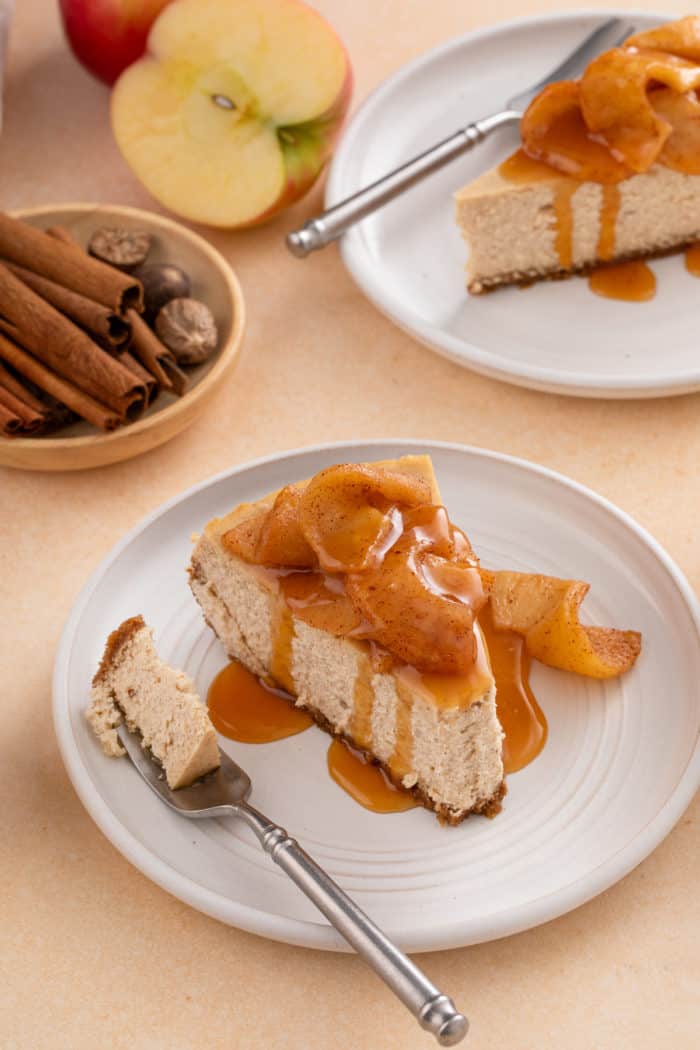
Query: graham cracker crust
(116, 642)
(524, 278)
(487, 807)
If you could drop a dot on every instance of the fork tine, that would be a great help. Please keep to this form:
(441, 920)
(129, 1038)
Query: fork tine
(214, 793)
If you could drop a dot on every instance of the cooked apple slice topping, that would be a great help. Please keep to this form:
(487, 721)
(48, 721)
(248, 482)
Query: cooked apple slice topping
(553, 131)
(321, 601)
(350, 514)
(681, 38)
(634, 106)
(281, 540)
(682, 113)
(362, 551)
(419, 602)
(625, 120)
(242, 540)
(545, 611)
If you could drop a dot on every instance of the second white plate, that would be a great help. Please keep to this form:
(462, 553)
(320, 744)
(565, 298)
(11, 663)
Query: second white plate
(621, 763)
(409, 257)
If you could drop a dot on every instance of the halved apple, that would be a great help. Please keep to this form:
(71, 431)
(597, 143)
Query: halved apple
(234, 110)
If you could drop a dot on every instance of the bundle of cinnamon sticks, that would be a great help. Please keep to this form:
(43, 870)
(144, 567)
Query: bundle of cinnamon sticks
(73, 342)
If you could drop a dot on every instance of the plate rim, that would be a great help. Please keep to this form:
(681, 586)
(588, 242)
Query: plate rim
(319, 935)
(357, 260)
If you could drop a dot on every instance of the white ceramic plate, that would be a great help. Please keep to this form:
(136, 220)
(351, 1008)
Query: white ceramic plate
(409, 258)
(621, 764)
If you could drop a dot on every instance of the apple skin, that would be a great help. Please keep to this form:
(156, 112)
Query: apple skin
(306, 158)
(106, 36)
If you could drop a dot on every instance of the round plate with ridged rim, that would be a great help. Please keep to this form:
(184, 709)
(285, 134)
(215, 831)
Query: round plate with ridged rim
(409, 257)
(621, 764)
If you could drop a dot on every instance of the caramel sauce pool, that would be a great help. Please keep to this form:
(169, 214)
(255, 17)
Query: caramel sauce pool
(244, 708)
(630, 282)
(365, 782)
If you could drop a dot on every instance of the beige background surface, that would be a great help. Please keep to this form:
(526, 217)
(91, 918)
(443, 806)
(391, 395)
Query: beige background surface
(92, 954)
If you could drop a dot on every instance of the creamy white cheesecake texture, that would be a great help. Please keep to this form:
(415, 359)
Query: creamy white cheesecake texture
(455, 762)
(133, 683)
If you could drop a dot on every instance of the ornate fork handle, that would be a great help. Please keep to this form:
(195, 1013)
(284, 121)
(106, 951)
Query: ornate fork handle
(434, 1011)
(318, 232)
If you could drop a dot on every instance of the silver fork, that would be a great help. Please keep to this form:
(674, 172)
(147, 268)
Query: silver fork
(224, 793)
(327, 227)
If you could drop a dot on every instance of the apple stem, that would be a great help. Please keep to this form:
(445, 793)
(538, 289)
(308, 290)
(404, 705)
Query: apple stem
(223, 101)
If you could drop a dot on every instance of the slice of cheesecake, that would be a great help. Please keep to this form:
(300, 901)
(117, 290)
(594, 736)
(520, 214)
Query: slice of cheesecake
(548, 225)
(435, 734)
(609, 168)
(134, 684)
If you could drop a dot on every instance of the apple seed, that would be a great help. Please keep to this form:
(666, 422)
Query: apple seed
(224, 101)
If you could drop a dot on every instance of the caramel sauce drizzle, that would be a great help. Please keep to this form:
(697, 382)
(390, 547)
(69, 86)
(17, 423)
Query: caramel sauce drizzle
(608, 222)
(521, 717)
(245, 709)
(363, 705)
(402, 756)
(282, 638)
(632, 281)
(692, 260)
(563, 205)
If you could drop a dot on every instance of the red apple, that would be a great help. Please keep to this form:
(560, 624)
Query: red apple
(108, 35)
(234, 110)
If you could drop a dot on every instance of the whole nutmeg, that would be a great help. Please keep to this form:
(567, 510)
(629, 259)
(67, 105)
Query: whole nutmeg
(188, 328)
(161, 283)
(119, 247)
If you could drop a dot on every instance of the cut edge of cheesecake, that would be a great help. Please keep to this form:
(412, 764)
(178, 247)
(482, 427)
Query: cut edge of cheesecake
(511, 227)
(457, 768)
(134, 685)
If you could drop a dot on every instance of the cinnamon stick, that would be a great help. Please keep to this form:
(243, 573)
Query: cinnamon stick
(10, 424)
(178, 378)
(66, 349)
(81, 403)
(137, 369)
(62, 234)
(147, 347)
(67, 265)
(20, 391)
(110, 329)
(31, 420)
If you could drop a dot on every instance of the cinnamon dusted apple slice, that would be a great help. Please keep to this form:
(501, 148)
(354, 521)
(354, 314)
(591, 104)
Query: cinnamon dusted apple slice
(419, 603)
(234, 110)
(545, 611)
(350, 513)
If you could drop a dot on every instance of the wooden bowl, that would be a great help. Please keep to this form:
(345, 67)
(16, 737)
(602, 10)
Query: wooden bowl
(80, 445)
